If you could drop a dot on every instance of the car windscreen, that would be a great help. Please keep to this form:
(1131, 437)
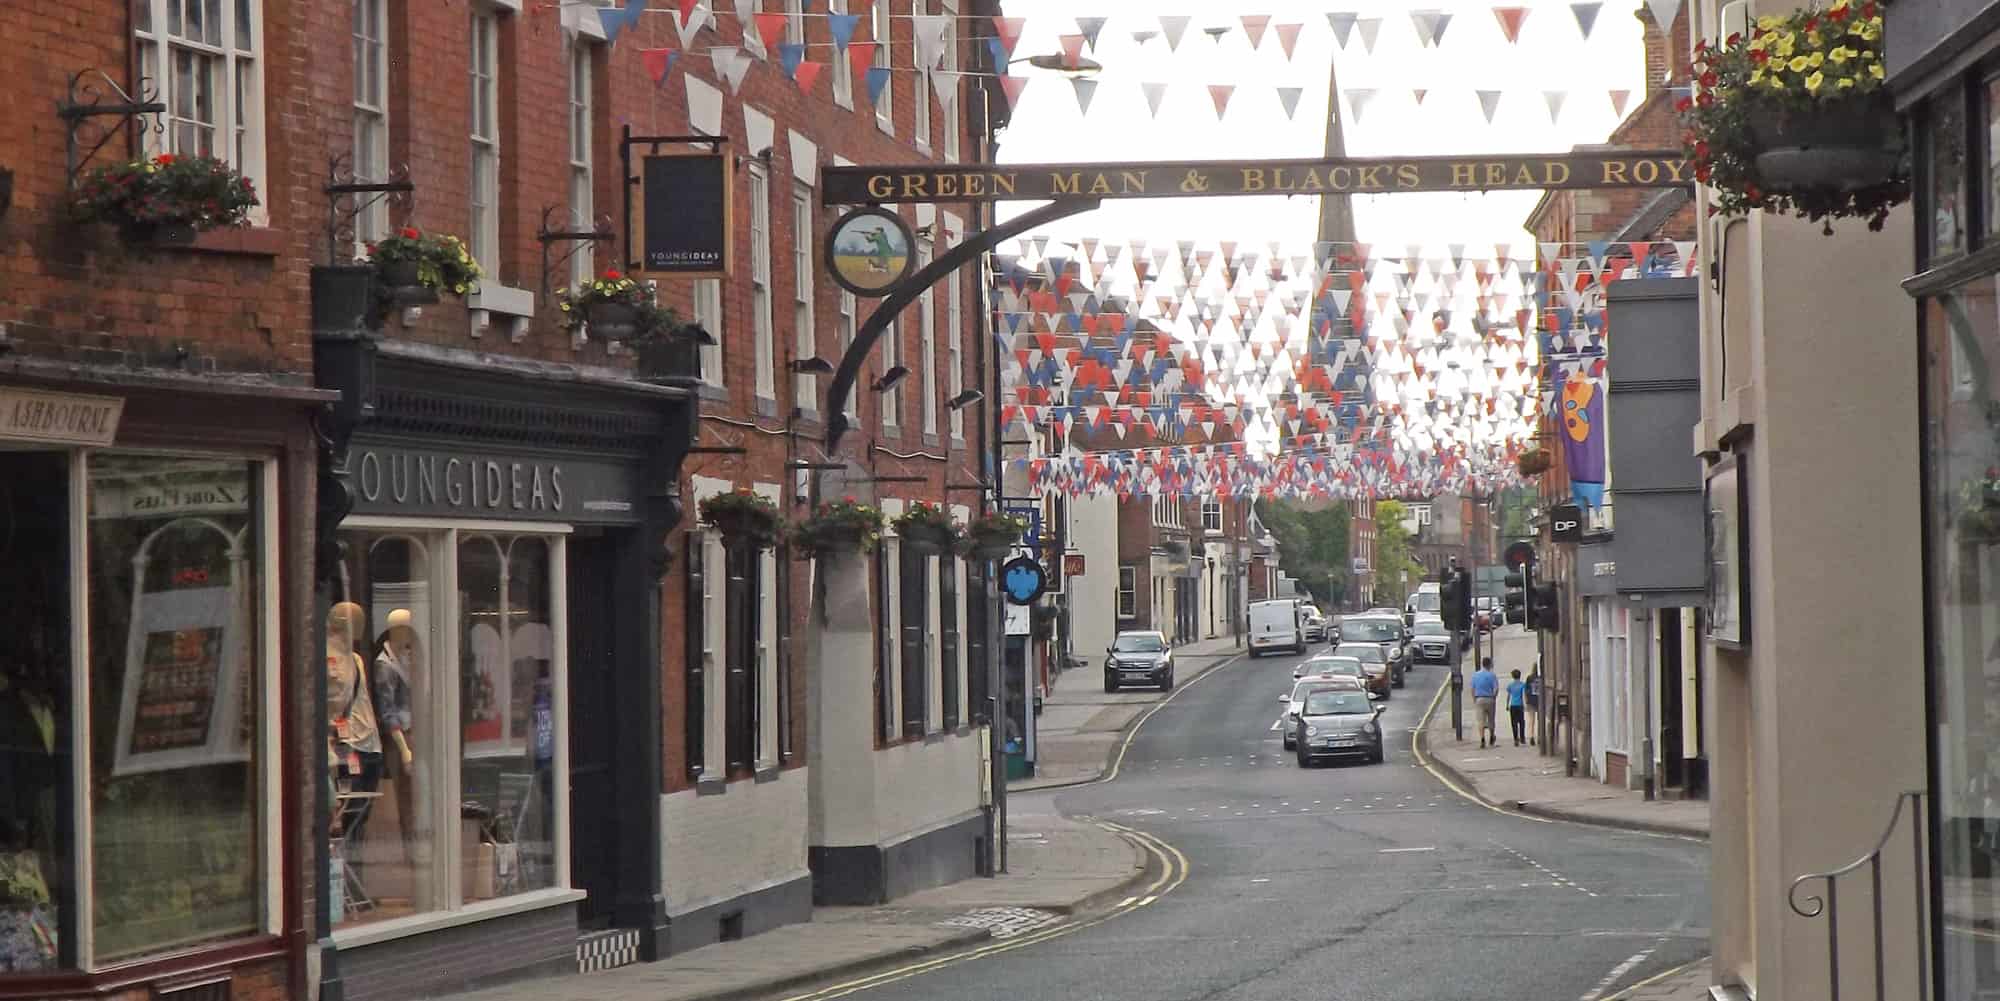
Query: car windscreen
(1358, 651)
(1138, 643)
(1428, 602)
(1371, 630)
(1336, 704)
(1430, 629)
(1334, 665)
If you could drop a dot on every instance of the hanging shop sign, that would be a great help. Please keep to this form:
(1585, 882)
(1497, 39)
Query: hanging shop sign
(58, 418)
(1376, 175)
(1073, 564)
(869, 252)
(1024, 580)
(684, 216)
(1566, 523)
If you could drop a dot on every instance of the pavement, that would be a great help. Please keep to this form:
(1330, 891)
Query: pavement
(1523, 779)
(1082, 726)
(1688, 983)
(1059, 871)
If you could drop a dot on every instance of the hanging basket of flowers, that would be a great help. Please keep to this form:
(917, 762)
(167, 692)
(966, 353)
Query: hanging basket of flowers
(165, 201)
(1978, 519)
(666, 347)
(925, 527)
(1793, 117)
(1533, 462)
(843, 526)
(743, 518)
(415, 266)
(613, 307)
(993, 536)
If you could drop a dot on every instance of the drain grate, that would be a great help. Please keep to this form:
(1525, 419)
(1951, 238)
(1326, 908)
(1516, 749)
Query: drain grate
(1004, 922)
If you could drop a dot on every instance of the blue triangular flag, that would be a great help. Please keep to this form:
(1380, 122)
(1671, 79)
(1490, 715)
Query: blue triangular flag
(615, 20)
(842, 26)
(999, 54)
(1586, 15)
(878, 78)
(789, 57)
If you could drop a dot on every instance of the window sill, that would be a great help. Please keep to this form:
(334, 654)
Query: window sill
(710, 787)
(245, 241)
(766, 406)
(766, 773)
(937, 736)
(485, 910)
(714, 393)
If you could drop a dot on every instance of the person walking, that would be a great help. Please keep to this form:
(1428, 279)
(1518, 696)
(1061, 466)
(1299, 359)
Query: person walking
(1534, 704)
(1517, 708)
(1485, 691)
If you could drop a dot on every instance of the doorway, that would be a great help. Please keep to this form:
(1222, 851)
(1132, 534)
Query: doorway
(593, 684)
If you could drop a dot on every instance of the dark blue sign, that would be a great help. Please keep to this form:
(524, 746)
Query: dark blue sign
(1024, 580)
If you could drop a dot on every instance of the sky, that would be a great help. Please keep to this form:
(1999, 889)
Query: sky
(1474, 55)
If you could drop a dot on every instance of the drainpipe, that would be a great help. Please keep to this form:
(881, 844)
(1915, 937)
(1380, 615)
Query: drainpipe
(1643, 617)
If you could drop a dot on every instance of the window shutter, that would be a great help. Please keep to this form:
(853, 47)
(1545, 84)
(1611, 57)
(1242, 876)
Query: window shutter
(696, 657)
(948, 629)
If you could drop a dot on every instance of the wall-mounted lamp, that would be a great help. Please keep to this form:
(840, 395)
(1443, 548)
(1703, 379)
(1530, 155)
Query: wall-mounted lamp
(965, 399)
(891, 378)
(812, 366)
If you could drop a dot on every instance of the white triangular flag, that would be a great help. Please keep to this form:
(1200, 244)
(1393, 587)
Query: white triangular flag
(930, 30)
(746, 14)
(1555, 100)
(1371, 27)
(1425, 21)
(698, 19)
(732, 64)
(1154, 92)
(1664, 12)
(1289, 97)
(1342, 22)
(1085, 90)
(1357, 99)
(1174, 26)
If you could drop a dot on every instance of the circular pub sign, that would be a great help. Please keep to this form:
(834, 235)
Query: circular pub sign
(870, 251)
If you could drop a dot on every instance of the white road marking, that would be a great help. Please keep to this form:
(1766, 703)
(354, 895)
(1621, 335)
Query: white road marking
(1611, 978)
(1399, 851)
(1261, 879)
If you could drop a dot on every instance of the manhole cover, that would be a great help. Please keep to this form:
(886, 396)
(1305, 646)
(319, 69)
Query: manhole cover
(1004, 922)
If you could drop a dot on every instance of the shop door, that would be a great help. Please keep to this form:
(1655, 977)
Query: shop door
(592, 699)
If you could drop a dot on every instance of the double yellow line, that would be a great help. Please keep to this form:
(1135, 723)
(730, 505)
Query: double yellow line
(1173, 872)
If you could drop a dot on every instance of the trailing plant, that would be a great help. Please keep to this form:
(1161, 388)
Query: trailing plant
(992, 535)
(585, 304)
(1533, 462)
(1823, 64)
(742, 515)
(842, 526)
(200, 192)
(437, 261)
(926, 523)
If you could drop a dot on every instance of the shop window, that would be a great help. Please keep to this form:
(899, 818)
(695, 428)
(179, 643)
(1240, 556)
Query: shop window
(428, 820)
(948, 590)
(1946, 134)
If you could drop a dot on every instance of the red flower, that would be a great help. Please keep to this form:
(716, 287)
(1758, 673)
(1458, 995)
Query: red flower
(1705, 99)
(612, 275)
(847, 500)
(1709, 79)
(1838, 14)
(410, 233)
(164, 159)
(1868, 9)
(1737, 36)
(1812, 24)
(1683, 104)
(1701, 172)
(1701, 150)
(1753, 192)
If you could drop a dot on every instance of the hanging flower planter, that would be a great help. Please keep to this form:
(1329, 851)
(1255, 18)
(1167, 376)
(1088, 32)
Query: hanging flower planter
(614, 308)
(844, 526)
(1980, 526)
(926, 527)
(1533, 462)
(993, 536)
(743, 518)
(415, 267)
(1793, 117)
(165, 201)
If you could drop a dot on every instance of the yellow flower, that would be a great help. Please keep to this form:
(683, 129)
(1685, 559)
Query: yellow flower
(1756, 77)
(1757, 43)
(1798, 64)
(1768, 22)
(1786, 41)
(1777, 82)
(1840, 54)
(1816, 60)
(1812, 37)
(1870, 54)
(1875, 70)
(1813, 82)
(1844, 82)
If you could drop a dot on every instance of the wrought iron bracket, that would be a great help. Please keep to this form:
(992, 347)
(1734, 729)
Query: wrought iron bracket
(575, 238)
(347, 198)
(88, 100)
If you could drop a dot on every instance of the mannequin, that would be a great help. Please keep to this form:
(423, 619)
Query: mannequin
(397, 663)
(350, 710)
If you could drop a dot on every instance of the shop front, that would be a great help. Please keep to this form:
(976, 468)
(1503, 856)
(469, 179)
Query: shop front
(151, 756)
(493, 667)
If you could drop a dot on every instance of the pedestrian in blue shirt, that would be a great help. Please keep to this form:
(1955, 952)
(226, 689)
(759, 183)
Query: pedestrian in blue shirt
(1485, 691)
(1517, 708)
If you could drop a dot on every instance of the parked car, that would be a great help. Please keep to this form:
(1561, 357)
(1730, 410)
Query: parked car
(1139, 657)
(1381, 672)
(1314, 622)
(1326, 663)
(1303, 688)
(1431, 642)
(1336, 724)
(1385, 631)
(1277, 624)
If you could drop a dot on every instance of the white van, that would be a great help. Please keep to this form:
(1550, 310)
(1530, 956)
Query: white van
(1278, 624)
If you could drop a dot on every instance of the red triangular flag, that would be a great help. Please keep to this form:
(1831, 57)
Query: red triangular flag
(1013, 85)
(687, 10)
(1220, 92)
(1009, 30)
(657, 62)
(1254, 25)
(770, 28)
(807, 74)
(1072, 47)
(1288, 36)
(1510, 19)
(861, 55)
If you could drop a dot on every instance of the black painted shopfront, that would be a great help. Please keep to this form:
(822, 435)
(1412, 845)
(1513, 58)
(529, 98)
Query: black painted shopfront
(491, 563)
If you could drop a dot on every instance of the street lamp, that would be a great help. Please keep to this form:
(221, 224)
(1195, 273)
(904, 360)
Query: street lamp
(1060, 62)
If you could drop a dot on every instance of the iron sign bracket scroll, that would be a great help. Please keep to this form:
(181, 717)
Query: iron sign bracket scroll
(968, 249)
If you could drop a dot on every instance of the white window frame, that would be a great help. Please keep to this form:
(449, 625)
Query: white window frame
(953, 80)
(1211, 515)
(892, 355)
(843, 66)
(795, 22)
(1128, 592)
(371, 118)
(920, 86)
(844, 335)
(237, 123)
(582, 179)
(879, 21)
(760, 280)
(269, 655)
(927, 329)
(805, 388)
(483, 185)
(709, 313)
(954, 326)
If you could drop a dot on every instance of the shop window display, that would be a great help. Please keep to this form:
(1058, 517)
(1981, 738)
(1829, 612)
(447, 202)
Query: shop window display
(507, 714)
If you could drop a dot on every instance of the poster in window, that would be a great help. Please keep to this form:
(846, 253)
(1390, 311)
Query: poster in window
(1728, 603)
(186, 656)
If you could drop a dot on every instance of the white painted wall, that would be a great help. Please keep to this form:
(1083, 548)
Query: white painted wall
(714, 848)
(923, 785)
(1093, 596)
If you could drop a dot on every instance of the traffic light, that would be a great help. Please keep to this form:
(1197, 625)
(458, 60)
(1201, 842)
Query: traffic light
(1454, 604)
(1515, 604)
(1544, 608)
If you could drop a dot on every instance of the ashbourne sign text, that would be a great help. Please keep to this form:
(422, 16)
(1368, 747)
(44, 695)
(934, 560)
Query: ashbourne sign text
(1382, 175)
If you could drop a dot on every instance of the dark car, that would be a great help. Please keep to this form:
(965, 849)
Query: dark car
(1337, 724)
(1431, 643)
(1386, 631)
(1381, 673)
(1139, 658)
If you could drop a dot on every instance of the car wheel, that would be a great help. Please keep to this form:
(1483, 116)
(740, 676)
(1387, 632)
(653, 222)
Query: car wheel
(1289, 743)
(1304, 762)
(1168, 684)
(1110, 684)
(1378, 756)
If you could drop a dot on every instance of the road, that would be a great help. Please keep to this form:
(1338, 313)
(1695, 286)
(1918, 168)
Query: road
(1346, 882)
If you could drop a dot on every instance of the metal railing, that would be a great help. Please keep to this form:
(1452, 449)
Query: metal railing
(1814, 905)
